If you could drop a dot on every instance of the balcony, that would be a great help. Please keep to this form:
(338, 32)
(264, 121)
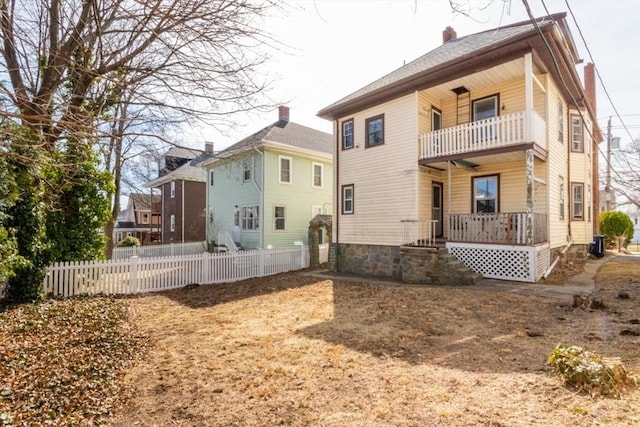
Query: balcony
(484, 137)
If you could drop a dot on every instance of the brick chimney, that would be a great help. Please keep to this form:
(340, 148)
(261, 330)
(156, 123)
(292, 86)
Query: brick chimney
(208, 147)
(448, 34)
(590, 84)
(283, 113)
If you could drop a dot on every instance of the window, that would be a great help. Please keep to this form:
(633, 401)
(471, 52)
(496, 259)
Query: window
(250, 218)
(577, 137)
(247, 166)
(588, 203)
(485, 194)
(577, 201)
(173, 223)
(145, 218)
(436, 119)
(347, 134)
(347, 199)
(560, 121)
(279, 218)
(285, 169)
(236, 217)
(211, 178)
(375, 131)
(485, 108)
(173, 189)
(561, 198)
(317, 175)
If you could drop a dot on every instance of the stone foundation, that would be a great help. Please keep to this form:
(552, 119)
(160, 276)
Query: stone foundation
(369, 260)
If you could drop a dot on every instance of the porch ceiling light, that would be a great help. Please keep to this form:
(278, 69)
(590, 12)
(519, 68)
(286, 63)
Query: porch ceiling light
(460, 90)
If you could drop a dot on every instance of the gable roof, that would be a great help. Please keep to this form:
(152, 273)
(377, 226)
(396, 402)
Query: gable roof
(280, 133)
(460, 56)
(182, 152)
(190, 171)
(142, 201)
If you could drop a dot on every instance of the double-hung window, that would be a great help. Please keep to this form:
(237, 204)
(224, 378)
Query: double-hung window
(317, 174)
(279, 218)
(560, 121)
(250, 218)
(347, 199)
(347, 134)
(485, 194)
(173, 189)
(173, 223)
(577, 201)
(375, 130)
(211, 178)
(247, 168)
(577, 136)
(284, 166)
(561, 196)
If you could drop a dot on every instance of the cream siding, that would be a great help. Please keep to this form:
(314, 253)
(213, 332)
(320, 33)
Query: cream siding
(384, 190)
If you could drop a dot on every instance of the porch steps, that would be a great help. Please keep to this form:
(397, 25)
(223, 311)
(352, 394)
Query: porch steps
(435, 266)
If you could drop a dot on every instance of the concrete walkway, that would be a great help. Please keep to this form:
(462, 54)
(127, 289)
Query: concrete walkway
(581, 284)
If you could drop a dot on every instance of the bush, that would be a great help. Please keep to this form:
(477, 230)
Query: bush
(617, 227)
(128, 242)
(589, 371)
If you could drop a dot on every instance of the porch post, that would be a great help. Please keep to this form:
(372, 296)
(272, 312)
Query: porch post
(528, 116)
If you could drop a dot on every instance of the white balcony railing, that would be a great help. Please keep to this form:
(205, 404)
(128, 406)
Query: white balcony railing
(506, 228)
(418, 232)
(496, 132)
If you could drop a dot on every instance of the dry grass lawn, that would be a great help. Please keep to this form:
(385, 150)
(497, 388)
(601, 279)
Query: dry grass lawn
(299, 351)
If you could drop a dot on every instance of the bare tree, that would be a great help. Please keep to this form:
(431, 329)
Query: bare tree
(198, 58)
(625, 174)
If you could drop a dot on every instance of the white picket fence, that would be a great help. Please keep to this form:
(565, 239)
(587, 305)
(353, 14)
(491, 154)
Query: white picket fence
(171, 249)
(136, 275)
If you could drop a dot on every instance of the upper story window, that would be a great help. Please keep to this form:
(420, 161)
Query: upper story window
(284, 167)
(436, 119)
(347, 134)
(560, 121)
(485, 194)
(211, 178)
(247, 169)
(173, 189)
(561, 196)
(485, 108)
(375, 130)
(588, 203)
(144, 218)
(317, 174)
(173, 223)
(577, 201)
(577, 135)
(347, 199)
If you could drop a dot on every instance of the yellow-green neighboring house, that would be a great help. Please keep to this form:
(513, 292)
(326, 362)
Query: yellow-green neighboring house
(263, 190)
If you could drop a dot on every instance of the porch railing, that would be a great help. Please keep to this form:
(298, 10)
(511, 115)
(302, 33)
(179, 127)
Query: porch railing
(418, 232)
(506, 228)
(495, 132)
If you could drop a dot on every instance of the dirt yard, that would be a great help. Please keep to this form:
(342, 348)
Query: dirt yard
(297, 351)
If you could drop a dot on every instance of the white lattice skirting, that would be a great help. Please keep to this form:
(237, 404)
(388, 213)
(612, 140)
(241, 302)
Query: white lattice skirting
(505, 262)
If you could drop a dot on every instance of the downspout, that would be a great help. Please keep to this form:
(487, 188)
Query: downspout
(338, 195)
(260, 190)
(569, 201)
(207, 184)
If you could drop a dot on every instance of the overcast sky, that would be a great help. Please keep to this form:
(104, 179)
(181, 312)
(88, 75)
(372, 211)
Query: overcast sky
(338, 46)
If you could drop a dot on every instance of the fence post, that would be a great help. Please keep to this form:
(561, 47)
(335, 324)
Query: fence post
(303, 263)
(134, 274)
(204, 259)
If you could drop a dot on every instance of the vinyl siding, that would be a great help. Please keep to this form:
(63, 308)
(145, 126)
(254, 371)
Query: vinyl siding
(384, 176)
(298, 197)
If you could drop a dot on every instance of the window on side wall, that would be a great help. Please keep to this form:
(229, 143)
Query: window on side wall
(173, 189)
(250, 218)
(560, 121)
(577, 134)
(347, 134)
(577, 201)
(284, 166)
(247, 169)
(279, 218)
(375, 130)
(347, 199)
(173, 223)
(317, 174)
(211, 178)
(589, 203)
(485, 194)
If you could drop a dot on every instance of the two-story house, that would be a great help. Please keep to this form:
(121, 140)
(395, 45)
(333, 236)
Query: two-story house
(263, 190)
(182, 185)
(485, 145)
(140, 219)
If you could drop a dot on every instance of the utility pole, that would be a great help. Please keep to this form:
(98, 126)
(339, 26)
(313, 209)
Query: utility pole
(607, 187)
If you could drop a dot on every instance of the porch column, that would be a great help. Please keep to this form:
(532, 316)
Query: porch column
(528, 129)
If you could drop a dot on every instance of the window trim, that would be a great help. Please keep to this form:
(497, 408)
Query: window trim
(244, 218)
(573, 142)
(290, 160)
(435, 111)
(313, 175)
(575, 185)
(172, 223)
(474, 206)
(560, 121)
(247, 166)
(344, 135)
(142, 217)
(275, 218)
(496, 96)
(211, 178)
(173, 189)
(367, 122)
(343, 198)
